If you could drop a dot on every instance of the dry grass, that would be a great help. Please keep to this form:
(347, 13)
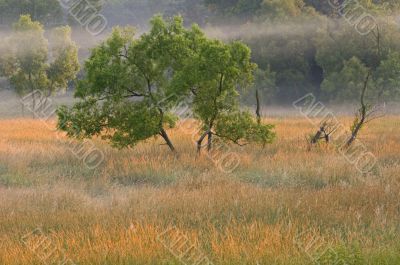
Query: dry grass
(276, 196)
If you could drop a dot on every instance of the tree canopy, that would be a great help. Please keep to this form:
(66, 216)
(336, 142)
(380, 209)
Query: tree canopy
(132, 86)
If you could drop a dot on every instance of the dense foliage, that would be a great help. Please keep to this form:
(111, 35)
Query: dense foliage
(132, 86)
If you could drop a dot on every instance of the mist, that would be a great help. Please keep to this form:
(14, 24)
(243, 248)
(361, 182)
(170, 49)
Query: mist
(258, 35)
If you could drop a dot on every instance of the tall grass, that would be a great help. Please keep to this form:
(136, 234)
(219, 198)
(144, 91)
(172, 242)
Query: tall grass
(267, 211)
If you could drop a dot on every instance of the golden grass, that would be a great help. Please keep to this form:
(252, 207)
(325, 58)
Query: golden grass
(278, 198)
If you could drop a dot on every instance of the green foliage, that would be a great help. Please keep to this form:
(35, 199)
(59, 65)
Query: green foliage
(346, 84)
(342, 255)
(241, 128)
(65, 64)
(284, 9)
(27, 63)
(254, 9)
(387, 77)
(346, 56)
(128, 92)
(307, 50)
(132, 85)
(215, 75)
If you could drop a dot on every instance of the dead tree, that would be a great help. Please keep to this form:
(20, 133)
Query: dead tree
(323, 133)
(365, 114)
(258, 109)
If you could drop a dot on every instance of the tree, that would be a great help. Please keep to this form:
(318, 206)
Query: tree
(132, 86)
(64, 64)
(388, 78)
(214, 76)
(126, 96)
(346, 84)
(28, 65)
(365, 114)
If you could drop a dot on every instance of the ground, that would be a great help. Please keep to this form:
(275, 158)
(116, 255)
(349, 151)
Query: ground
(284, 204)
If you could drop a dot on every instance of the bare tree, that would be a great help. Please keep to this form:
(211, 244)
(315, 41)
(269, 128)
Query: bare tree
(324, 132)
(365, 114)
(258, 109)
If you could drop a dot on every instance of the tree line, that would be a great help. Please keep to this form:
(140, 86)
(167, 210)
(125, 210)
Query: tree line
(301, 46)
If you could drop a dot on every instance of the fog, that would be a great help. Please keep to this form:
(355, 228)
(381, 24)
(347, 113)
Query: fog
(86, 41)
(252, 30)
(139, 19)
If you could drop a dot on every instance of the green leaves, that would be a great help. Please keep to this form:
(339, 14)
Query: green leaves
(132, 86)
(215, 75)
(242, 128)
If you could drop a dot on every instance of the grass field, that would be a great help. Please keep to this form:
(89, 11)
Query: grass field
(282, 205)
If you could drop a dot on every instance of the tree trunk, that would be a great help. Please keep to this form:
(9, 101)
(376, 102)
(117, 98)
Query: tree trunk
(327, 139)
(168, 141)
(200, 142)
(33, 105)
(316, 137)
(33, 96)
(354, 134)
(258, 110)
(362, 114)
(209, 144)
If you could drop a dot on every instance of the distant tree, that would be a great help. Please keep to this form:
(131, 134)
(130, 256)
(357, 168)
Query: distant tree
(261, 92)
(126, 96)
(387, 78)
(284, 9)
(30, 66)
(366, 112)
(237, 8)
(63, 62)
(251, 10)
(346, 84)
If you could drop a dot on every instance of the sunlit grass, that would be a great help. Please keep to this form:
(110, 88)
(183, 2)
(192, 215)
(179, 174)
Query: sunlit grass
(112, 215)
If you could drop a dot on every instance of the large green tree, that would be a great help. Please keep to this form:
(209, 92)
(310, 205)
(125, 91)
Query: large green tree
(126, 96)
(132, 86)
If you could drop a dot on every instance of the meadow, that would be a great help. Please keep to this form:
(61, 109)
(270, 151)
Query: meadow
(283, 204)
